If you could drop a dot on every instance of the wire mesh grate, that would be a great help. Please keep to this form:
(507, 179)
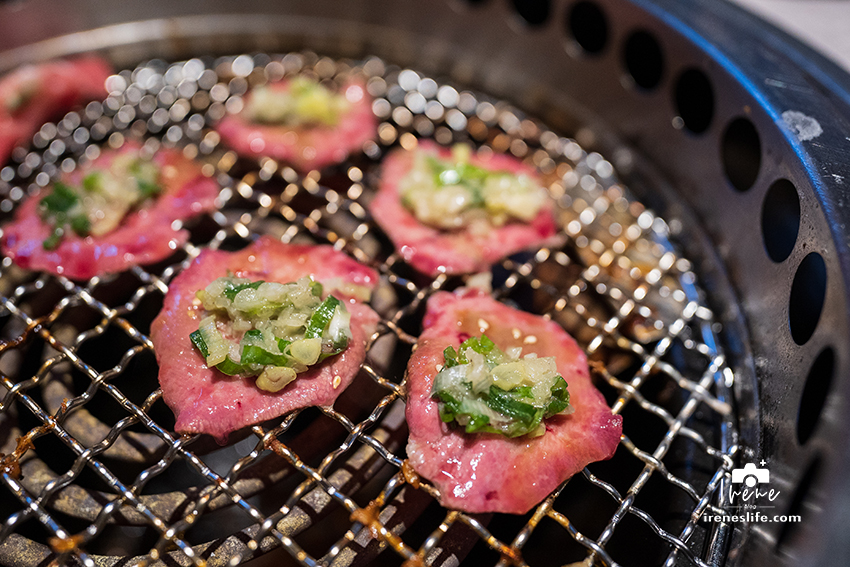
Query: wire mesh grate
(91, 460)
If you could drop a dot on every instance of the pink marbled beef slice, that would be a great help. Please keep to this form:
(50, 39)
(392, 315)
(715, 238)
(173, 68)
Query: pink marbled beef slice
(48, 90)
(431, 250)
(207, 401)
(146, 235)
(306, 147)
(486, 472)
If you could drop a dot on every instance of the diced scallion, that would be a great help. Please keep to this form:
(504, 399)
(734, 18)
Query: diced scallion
(450, 193)
(102, 200)
(275, 378)
(55, 239)
(306, 351)
(61, 200)
(270, 330)
(321, 317)
(217, 347)
(483, 389)
(232, 290)
(92, 181)
(304, 103)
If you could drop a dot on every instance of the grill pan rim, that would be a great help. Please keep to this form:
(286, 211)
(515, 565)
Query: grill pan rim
(833, 211)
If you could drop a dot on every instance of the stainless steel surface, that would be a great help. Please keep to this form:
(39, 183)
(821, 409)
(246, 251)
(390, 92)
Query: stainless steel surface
(673, 93)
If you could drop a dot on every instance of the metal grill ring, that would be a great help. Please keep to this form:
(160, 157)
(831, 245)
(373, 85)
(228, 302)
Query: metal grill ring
(83, 419)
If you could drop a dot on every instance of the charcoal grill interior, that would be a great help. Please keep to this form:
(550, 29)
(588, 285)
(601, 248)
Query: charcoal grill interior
(630, 300)
(719, 334)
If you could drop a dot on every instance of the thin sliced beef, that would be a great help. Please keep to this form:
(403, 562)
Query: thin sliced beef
(431, 250)
(306, 147)
(207, 401)
(146, 235)
(33, 94)
(487, 472)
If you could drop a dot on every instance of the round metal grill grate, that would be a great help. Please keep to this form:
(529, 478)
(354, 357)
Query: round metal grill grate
(94, 474)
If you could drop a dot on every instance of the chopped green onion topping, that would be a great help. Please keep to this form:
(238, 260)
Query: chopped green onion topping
(92, 181)
(199, 342)
(81, 225)
(268, 329)
(61, 200)
(233, 289)
(321, 317)
(148, 189)
(485, 390)
(304, 103)
(102, 200)
(260, 356)
(450, 193)
(52, 242)
(229, 367)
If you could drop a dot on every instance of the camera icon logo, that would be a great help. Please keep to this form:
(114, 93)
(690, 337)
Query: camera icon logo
(750, 475)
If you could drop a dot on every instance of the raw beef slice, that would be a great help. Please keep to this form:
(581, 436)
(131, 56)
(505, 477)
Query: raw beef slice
(486, 472)
(306, 147)
(33, 94)
(145, 235)
(207, 401)
(433, 251)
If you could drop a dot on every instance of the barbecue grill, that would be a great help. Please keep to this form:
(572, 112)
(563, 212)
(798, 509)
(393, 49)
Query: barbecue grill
(696, 157)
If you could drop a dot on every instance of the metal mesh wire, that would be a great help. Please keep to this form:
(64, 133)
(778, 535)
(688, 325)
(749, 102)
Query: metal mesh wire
(91, 458)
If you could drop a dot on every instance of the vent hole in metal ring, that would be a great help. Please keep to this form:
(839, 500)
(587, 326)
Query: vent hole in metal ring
(780, 220)
(694, 98)
(796, 507)
(534, 12)
(740, 152)
(588, 26)
(808, 292)
(815, 392)
(644, 59)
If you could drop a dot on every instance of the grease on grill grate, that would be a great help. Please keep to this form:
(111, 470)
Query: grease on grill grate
(98, 477)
